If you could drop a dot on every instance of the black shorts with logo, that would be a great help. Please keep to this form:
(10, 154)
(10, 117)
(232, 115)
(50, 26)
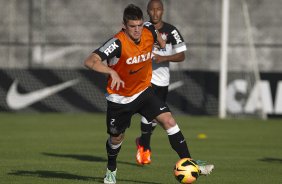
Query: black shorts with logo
(160, 91)
(146, 104)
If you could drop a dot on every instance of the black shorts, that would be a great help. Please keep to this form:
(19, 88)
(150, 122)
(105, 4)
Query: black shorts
(146, 104)
(161, 91)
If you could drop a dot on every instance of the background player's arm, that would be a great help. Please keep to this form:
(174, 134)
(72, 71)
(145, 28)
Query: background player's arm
(178, 57)
(94, 62)
(179, 54)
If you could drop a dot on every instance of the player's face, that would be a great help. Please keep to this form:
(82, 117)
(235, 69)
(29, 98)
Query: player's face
(155, 12)
(133, 29)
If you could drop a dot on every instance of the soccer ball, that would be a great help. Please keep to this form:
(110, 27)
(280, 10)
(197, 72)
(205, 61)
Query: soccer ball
(186, 171)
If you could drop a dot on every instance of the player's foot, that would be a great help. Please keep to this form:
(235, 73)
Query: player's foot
(143, 157)
(205, 169)
(110, 177)
(146, 157)
(139, 153)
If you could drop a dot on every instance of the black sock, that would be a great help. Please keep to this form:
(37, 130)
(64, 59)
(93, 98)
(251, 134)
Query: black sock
(178, 143)
(112, 156)
(145, 138)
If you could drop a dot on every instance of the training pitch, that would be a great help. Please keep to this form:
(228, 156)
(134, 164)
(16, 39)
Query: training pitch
(70, 149)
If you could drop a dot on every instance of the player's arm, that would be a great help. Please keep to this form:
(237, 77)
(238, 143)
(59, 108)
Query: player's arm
(179, 47)
(95, 62)
(178, 57)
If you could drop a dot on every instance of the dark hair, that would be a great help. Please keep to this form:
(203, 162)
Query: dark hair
(151, 1)
(132, 12)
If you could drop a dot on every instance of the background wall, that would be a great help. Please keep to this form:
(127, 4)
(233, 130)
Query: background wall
(61, 33)
(43, 44)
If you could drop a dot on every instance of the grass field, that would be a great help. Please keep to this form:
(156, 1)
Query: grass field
(70, 149)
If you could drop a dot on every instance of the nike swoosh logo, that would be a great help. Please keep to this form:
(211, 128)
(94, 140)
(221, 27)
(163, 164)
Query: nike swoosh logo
(16, 100)
(179, 169)
(162, 108)
(135, 71)
(175, 85)
(40, 55)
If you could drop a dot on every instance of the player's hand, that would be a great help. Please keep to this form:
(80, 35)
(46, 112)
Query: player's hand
(161, 41)
(158, 59)
(116, 81)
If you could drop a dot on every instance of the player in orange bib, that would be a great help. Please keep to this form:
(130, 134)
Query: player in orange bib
(134, 64)
(129, 68)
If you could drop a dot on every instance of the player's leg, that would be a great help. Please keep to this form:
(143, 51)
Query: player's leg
(118, 120)
(175, 136)
(113, 146)
(156, 109)
(143, 143)
(143, 155)
(146, 132)
(147, 128)
(178, 142)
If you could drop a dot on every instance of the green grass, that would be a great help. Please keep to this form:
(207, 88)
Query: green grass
(70, 149)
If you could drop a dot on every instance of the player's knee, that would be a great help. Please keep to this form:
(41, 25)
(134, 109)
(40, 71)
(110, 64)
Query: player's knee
(166, 120)
(117, 139)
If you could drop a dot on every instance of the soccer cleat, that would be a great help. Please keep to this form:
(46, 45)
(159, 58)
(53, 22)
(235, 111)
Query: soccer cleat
(142, 157)
(139, 153)
(205, 169)
(146, 157)
(110, 177)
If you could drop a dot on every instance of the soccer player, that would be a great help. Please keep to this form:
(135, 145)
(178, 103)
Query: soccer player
(173, 52)
(129, 68)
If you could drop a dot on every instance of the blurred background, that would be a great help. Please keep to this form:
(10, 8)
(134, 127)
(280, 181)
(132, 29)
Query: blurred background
(43, 43)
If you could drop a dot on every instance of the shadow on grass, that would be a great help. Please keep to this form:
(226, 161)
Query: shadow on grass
(88, 158)
(64, 175)
(54, 174)
(271, 160)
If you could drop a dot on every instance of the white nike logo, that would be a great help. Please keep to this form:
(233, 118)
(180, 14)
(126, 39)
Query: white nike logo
(182, 141)
(162, 108)
(17, 101)
(44, 56)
